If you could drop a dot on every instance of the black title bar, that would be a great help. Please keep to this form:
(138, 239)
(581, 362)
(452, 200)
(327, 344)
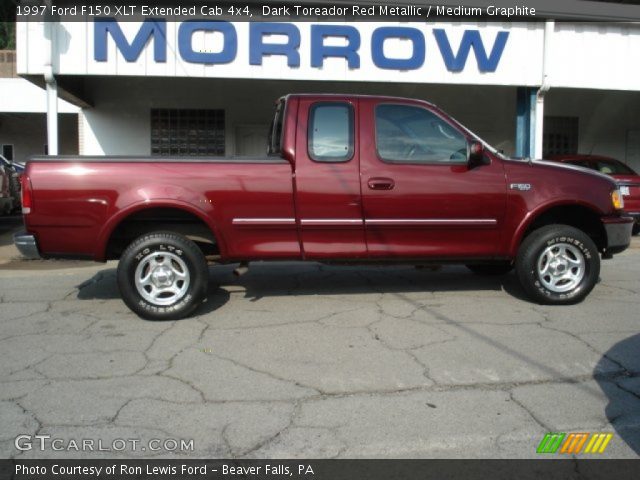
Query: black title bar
(119, 469)
(331, 10)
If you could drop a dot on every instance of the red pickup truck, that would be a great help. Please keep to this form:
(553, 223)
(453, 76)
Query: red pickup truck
(345, 179)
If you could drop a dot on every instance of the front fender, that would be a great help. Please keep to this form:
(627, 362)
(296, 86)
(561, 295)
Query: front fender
(532, 215)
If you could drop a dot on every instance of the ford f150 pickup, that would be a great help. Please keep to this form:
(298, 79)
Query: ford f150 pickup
(345, 179)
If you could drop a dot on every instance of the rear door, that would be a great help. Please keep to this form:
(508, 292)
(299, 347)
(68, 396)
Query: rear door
(420, 196)
(327, 179)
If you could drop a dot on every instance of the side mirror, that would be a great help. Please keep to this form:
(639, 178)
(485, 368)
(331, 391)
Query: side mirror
(476, 153)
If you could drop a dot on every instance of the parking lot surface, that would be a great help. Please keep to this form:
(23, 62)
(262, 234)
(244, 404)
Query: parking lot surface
(311, 361)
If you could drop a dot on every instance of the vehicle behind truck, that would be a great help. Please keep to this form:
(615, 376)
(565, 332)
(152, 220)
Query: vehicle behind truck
(345, 178)
(627, 179)
(9, 186)
(5, 194)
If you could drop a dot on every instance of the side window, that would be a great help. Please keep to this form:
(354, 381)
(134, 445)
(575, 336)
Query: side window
(408, 134)
(330, 134)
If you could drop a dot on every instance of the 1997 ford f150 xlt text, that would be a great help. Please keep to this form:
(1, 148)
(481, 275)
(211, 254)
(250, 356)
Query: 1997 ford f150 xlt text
(346, 179)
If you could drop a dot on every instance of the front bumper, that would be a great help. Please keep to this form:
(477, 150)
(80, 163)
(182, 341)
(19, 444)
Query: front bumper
(618, 233)
(26, 244)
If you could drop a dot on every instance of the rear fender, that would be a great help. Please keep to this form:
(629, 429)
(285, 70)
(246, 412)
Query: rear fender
(204, 211)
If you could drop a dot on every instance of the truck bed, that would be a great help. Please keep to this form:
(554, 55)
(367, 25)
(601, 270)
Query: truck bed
(79, 201)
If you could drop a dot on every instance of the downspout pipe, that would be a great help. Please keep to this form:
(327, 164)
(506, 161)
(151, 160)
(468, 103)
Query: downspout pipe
(549, 27)
(52, 87)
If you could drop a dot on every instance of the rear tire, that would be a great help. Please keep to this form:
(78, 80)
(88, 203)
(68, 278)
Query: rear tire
(491, 269)
(558, 265)
(163, 276)
(636, 228)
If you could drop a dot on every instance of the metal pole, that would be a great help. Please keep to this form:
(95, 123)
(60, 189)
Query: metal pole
(544, 88)
(52, 117)
(52, 87)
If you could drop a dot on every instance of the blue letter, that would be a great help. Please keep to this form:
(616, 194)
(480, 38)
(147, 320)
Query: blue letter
(377, 48)
(258, 49)
(470, 39)
(150, 28)
(319, 51)
(229, 49)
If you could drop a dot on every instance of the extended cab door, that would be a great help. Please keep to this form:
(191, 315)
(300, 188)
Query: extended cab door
(420, 196)
(327, 179)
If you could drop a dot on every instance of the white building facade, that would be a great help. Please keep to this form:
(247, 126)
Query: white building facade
(207, 88)
(23, 107)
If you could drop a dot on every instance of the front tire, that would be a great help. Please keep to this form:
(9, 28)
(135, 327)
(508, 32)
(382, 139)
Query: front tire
(162, 276)
(558, 265)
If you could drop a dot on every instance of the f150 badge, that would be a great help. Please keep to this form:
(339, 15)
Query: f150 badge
(523, 187)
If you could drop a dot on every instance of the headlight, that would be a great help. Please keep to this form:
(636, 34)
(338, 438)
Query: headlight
(617, 200)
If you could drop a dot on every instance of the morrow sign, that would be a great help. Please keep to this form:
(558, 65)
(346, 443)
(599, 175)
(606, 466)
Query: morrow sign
(285, 40)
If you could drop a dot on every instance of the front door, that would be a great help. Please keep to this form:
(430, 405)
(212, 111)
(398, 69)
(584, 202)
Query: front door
(420, 196)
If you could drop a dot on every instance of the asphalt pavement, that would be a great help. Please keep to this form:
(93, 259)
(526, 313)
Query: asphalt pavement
(295, 360)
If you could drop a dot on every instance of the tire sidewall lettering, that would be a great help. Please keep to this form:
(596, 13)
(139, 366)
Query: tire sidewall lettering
(182, 303)
(161, 247)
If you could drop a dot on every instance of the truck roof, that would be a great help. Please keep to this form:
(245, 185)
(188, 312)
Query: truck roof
(356, 96)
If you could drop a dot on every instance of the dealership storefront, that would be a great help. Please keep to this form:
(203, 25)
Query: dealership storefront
(207, 88)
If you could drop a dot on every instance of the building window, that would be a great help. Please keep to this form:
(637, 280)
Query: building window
(7, 152)
(187, 132)
(560, 136)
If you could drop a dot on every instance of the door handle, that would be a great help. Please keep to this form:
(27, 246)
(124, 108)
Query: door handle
(381, 183)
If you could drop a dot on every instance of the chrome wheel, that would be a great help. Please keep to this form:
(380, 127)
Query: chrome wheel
(162, 278)
(561, 267)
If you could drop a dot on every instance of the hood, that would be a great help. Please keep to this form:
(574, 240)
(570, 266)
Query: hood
(567, 167)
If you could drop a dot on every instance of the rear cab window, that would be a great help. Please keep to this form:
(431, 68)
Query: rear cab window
(331, 132)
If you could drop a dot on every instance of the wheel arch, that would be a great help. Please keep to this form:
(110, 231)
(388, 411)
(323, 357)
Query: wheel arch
(582, 216)
(169, 210)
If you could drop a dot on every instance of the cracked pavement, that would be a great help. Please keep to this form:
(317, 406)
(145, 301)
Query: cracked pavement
(298, 360)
